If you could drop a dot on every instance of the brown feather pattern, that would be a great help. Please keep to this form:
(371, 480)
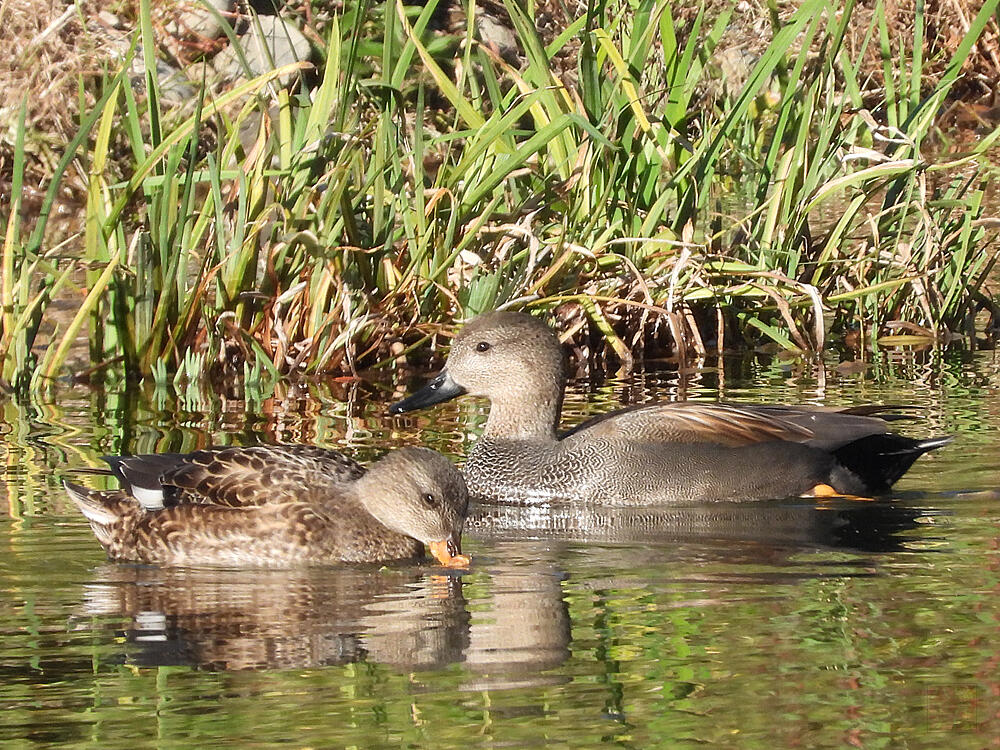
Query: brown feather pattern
(275, 506)
(235, 476)
(694, 422)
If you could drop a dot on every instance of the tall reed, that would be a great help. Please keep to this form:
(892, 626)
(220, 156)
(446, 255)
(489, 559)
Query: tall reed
(400, 188)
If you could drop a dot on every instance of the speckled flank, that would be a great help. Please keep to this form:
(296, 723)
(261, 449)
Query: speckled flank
(275, 506)
(650, 454)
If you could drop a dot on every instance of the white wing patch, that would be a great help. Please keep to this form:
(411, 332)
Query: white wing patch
(150, 499)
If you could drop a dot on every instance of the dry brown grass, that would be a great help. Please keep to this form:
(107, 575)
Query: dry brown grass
(48, 48)
(947, 22)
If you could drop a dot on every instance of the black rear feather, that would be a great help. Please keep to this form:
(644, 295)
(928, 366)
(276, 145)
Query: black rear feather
(880, 460)
(143, 471)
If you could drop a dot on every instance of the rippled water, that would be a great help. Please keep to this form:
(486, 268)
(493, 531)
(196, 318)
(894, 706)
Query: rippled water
(831, 624)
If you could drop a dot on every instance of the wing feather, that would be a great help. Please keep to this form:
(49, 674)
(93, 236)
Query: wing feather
(735, 424)
(234, 477)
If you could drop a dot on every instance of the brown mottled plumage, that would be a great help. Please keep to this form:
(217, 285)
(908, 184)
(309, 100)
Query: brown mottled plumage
(278, 506)
(650, 454)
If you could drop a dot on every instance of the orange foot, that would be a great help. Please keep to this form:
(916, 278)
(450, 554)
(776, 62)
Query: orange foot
(825, 490)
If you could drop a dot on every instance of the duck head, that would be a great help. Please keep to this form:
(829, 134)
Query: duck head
(419, 493)
(514, 360)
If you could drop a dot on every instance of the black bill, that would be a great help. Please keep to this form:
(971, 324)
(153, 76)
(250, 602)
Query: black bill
(441, 388)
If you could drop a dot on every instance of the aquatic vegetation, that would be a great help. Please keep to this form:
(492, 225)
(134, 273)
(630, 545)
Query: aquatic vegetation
(400, 188)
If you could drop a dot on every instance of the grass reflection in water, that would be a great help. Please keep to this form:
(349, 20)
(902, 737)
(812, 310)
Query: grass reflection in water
(818, 625)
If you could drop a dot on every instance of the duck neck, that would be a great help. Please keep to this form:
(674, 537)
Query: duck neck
(531, 417)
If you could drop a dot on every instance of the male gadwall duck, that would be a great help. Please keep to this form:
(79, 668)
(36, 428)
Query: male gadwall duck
(660, 453)
(278, 506)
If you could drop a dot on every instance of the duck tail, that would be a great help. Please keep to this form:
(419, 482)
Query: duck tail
(880, 460)
(102, 509)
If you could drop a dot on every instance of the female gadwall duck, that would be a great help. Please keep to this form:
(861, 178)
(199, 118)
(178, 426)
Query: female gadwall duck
(661, 453)
(278, 506)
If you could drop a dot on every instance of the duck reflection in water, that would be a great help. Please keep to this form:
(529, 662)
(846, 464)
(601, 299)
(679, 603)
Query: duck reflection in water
(867, 526)
(517, 630)
(310, 617)
(252, 620)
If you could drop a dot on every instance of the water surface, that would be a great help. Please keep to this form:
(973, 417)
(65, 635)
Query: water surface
(787, 623)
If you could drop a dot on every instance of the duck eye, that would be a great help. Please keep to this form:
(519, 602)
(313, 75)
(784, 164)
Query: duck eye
(429, 500)
(482, 346)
